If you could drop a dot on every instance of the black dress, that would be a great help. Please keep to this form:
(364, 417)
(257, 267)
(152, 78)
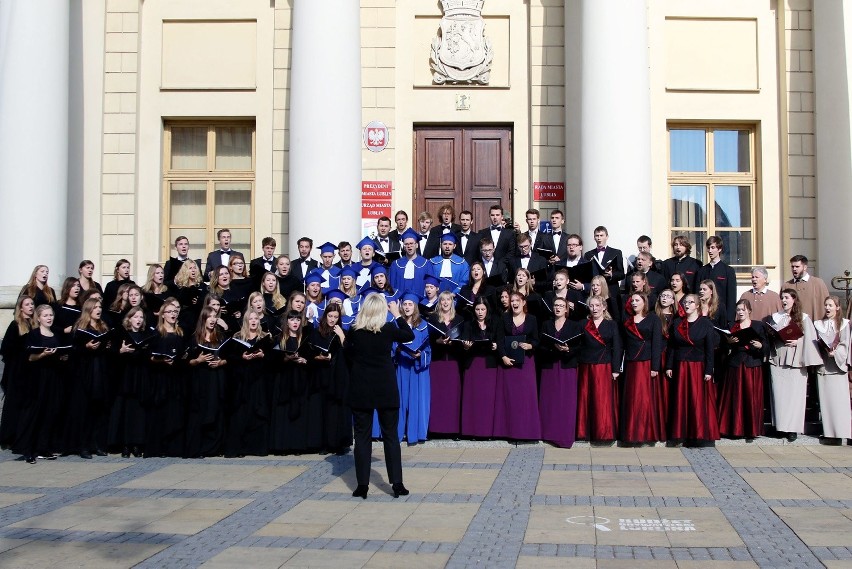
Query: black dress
(41, 399)
(111, 290)
(164, 418)
(205, 407)
(330, 378)
(289, 415)
(127, 415)
(13, 382)
(88, 417)
(248, 408)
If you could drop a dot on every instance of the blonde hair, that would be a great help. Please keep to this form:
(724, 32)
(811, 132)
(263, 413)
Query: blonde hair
(452, 311)
(604, 287)
(130, 314)
(278, 300)
(606, 315)
(528, 286)
(244, 331)
(161, 320)
(31, 287)
(24, 325)
(252, 296)
(214, 280)
(182, 278)
(85, 322)
(149, 281)
(713, 305)
(373, 314)
(37, 312)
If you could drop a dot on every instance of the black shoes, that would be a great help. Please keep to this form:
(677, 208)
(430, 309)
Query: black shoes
(30, 459)
(86, 454)
(136, 451)
(125, 453)
(360, 491)
(399, 490)
(791, 437)
(99, 452)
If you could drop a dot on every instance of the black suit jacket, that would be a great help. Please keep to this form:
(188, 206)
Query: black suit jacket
(393, 244)
(471, 252)
(610, 253)
(372, 377)
(537, 263)
(500, 269)
(506, 246)
(562, 249)
(214, 261)
(300, 267)
(543, 241)
(431, 246)
(257, 269)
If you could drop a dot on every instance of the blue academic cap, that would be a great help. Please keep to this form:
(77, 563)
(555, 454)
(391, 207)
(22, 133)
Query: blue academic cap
(432, 280)
(415, 298)
(366, 241)
(336, 293)
(449, 237)
(327, 247)
(367, 291)
(348, 271)
(409, 234)
(315, 276)
(378, 269)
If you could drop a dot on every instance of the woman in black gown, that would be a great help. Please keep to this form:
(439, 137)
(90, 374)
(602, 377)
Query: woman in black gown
(290, 384)
(13, 351)
(205, 421)
(327, 385)
(164, 420)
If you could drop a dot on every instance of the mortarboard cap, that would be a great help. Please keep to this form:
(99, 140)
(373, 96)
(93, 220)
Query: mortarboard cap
(366, 241)
(327, 247)
(409, 234)
(448, 237)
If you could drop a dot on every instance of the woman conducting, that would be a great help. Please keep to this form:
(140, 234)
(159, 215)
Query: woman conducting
(372, 386)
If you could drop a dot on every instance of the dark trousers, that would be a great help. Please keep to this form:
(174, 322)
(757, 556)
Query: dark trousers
(389, 423)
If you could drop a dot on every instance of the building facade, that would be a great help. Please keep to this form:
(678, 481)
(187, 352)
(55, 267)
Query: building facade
(127, 122)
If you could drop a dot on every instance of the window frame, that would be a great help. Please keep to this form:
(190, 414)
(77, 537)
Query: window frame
(210, 176)
(711, 179)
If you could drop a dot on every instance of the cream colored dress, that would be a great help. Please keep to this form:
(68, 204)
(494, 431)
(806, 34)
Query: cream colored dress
(790, 375)
(832, 380)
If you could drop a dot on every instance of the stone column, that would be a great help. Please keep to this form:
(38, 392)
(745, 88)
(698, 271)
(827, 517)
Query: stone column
(832, 33)
(325, 122)
(608, 118)
(34, 70)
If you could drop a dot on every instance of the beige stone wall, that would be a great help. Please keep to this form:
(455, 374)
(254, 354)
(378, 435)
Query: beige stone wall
(281, 124)
(547, 97)
(801, 160)
(378, 89)
(118, 178)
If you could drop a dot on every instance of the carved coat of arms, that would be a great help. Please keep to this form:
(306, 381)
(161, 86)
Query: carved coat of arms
(461, 53)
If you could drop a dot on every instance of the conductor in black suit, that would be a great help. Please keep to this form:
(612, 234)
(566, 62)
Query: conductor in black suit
(467, 240)
(372, 386)
(608, 261)
(222, 255)
(173, 265)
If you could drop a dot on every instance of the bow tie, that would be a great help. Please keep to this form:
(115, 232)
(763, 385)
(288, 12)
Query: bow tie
(496, 227)
(557, 233)
(446, 226)
(423, 237)
(601, 248)
(383, 239)
(527, 256)
(224, 252)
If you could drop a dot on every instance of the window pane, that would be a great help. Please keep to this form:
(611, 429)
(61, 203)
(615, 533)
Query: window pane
(697, 239)
(688, 150)
(188, 203)
(233, 148)
(737, 247)
(733, 206)
(189, 148)
(233, 204)
(731, 151)
(689, 206)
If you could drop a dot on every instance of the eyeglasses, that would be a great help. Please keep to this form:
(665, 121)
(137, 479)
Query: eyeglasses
(573, 244)
(172, 311)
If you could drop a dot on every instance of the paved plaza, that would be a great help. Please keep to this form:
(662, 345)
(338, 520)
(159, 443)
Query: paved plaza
(471, 504)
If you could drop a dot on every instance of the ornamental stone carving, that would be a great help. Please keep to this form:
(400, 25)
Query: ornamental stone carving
(461, 53)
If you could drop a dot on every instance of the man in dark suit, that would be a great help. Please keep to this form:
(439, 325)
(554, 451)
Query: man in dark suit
(430, 242)
(539, 239)
(383, 240)
(222, 255)
(644, 263)
(559, 237)
(722, 275)
(447, 220)
(173, 265)
(401, 220)
(304, 264)
(265, 263)
(529, 260)
(608, 261)
(682, 263)
(496, 270)
(503, 237)
(467, 245)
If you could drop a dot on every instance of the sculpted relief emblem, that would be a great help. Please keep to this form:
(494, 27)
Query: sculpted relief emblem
(461, 53)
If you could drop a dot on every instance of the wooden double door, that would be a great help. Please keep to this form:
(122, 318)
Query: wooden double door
(469, 168)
